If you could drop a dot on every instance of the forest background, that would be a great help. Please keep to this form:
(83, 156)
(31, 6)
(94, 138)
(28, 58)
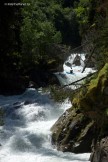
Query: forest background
(39, 34)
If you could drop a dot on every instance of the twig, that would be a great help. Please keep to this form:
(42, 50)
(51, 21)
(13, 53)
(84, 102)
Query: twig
(73, 83)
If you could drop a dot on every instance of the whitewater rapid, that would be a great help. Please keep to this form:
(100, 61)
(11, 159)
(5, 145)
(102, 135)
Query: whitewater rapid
(26, 135)
(66, 78)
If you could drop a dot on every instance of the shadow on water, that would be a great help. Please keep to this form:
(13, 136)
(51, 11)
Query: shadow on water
(58, 154)
(31, 95)
(38, 142)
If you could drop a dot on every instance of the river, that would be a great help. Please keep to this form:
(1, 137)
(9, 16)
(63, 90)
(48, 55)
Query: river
(26, 135)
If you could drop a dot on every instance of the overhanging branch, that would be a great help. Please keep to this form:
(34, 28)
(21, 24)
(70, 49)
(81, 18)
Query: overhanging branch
(75, 82)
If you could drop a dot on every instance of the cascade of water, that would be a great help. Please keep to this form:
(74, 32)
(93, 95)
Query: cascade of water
(66, 77)
(26, 133)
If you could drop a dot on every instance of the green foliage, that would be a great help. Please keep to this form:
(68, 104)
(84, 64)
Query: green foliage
(95, 97)
(82, 13)
(92, 16)
(102, 47)
(38, 31)
(46, 23)
(60, 94)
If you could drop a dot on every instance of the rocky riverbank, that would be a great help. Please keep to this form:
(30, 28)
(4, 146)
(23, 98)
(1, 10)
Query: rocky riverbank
(81, 128)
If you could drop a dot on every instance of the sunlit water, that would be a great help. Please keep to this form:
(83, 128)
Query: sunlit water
(66, 77)
(25, 137)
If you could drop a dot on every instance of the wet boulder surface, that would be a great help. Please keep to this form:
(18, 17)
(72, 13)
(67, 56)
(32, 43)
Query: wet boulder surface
(73, 132)
(100, 151)
(86, 120)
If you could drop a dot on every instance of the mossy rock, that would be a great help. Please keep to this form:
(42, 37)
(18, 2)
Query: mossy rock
(94, 103)
(96, 96)
(87, 119)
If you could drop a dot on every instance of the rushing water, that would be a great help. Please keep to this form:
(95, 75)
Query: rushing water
(25, 137)
(66, 77)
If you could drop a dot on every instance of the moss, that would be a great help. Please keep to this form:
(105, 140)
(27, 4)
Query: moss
(94, 99)
(60, 94)
(75, 102)
(101, 79)
(96, 87)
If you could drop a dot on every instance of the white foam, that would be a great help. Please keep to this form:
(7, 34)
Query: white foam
(66, 77)
(26, 134)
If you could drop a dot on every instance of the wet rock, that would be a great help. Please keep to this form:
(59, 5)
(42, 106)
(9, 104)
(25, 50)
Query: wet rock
(100, 151)
(27, 102)
(17, 105)
(77, 60)
(73, 132)
(86, 120)
(90, 62)
(68, 64)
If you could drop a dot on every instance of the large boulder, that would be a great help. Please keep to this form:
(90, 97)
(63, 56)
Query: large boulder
(73, 132)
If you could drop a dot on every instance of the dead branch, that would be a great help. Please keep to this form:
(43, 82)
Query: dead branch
(74, 83)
